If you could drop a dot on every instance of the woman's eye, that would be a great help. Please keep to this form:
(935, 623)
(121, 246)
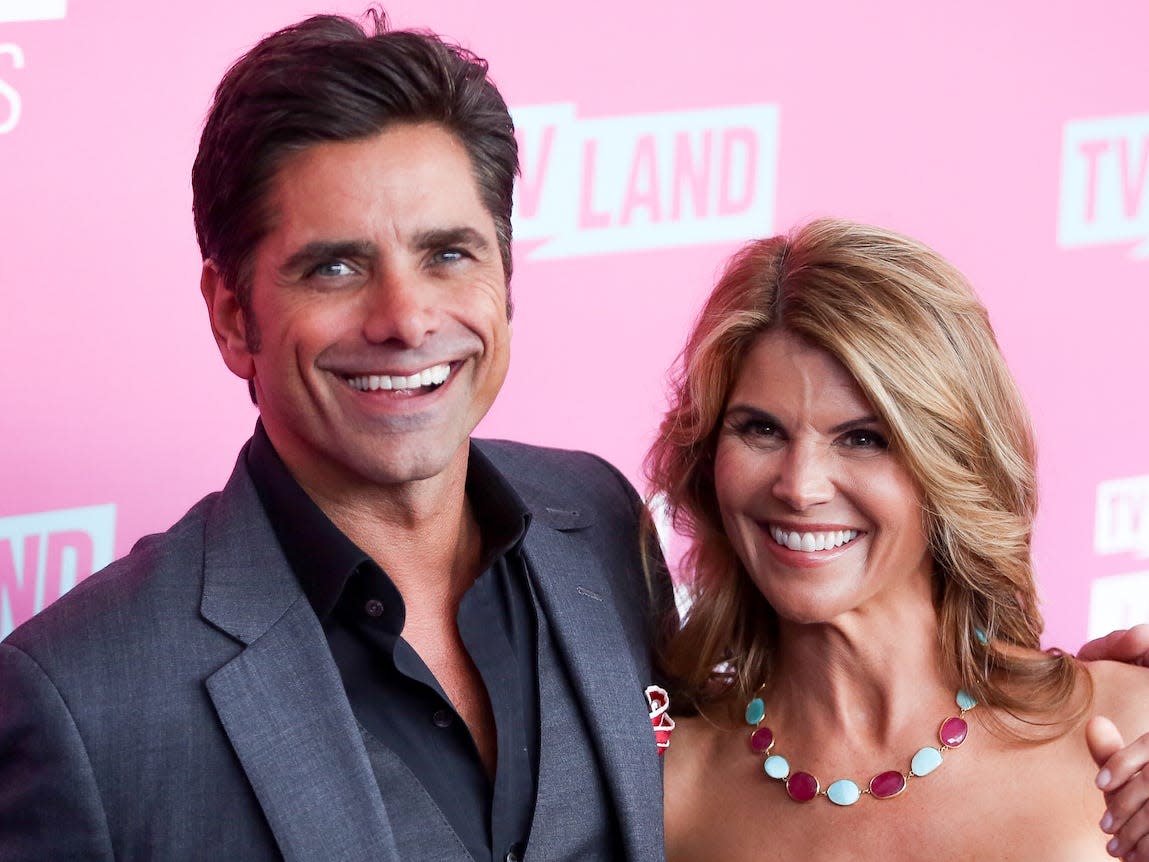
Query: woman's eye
(755, 430)
(863, 438)
(760, 429)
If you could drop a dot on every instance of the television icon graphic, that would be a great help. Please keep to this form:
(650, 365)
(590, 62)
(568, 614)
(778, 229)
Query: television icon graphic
(32, 10)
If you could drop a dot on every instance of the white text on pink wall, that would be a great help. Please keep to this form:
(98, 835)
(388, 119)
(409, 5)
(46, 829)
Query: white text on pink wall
(1105, 183)
(44, 555)
(644, 181)
(1121, 521)
(11, 104)
(11, 54)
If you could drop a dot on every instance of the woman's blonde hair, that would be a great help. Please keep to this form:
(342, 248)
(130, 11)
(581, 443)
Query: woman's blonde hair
(908, 327)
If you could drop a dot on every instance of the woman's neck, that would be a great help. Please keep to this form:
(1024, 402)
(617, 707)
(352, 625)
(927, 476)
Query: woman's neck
(868, 678)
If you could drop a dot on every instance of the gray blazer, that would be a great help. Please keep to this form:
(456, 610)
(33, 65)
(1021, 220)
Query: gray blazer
(183, 702)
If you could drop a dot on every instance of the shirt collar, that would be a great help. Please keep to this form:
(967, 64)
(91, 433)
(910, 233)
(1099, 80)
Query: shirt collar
(324, 558)
(321, 555)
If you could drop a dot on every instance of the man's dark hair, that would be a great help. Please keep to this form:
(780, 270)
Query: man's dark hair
(326, 79)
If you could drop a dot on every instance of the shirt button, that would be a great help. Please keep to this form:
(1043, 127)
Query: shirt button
(515, 854)
(374, 608)
(442, 718)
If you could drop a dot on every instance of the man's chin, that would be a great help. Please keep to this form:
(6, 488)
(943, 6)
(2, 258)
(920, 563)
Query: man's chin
(409, 463)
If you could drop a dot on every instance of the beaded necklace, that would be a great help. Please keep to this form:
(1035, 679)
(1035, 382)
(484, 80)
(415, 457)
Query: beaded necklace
(802, 786)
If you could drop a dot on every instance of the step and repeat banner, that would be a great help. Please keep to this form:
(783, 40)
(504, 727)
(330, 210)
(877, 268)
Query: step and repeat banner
(655, 137)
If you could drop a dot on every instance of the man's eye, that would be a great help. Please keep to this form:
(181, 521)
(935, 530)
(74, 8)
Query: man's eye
(332, 269)
(449, 255)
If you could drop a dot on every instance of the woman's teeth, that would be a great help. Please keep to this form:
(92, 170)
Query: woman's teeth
(808, 542)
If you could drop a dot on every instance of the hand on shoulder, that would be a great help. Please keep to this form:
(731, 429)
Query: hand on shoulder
(1121, 694)
(1124, 645)
(1118, 739)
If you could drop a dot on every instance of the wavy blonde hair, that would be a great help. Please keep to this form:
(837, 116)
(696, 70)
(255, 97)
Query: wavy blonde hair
(912, 333)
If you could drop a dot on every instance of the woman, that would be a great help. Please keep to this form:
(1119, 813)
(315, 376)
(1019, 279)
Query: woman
(855, 468)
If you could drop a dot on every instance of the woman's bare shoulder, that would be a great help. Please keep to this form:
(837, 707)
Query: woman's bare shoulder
(696, 785)
(684, 767)
(690, 742)
(1121, 694)
(689, 760)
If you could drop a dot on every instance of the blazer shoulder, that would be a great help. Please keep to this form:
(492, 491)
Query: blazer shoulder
(551, 476)
(161, 571)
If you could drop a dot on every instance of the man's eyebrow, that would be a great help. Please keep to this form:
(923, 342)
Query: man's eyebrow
(426, 240)
(321, 250)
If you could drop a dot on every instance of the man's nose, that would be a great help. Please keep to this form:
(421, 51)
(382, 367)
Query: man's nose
(804, 479)
(400, 307)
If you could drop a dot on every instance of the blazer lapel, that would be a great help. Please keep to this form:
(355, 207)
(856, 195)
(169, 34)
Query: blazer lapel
(281, 701)
(580, 608)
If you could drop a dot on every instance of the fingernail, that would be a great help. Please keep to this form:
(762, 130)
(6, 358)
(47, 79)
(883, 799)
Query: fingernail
(1112, 846)
(1103, 778)
(1107, 822)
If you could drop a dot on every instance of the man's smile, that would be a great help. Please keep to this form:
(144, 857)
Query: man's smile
(427, 379)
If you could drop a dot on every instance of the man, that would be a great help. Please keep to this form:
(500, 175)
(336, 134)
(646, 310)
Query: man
(380, 640)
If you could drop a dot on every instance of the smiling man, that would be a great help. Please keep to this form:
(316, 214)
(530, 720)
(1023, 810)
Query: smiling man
(381, 640)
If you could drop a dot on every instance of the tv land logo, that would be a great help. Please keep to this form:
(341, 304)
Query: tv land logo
(1121, 527)
(12, 11)
(1105, 183)
(1121, 521)
(643, 181)
(44, 555)
(1118, 602)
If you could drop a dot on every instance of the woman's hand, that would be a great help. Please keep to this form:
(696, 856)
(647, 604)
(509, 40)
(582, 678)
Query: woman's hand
(1124, 778)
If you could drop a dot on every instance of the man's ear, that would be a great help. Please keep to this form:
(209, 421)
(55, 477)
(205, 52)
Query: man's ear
(228, 321)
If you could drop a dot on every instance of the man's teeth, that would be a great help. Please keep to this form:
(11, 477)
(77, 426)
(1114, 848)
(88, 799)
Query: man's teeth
(808, 542)
(432, 376)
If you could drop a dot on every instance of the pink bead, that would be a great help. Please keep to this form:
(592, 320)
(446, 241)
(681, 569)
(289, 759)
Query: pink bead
(953, 732)
(802, 786)
(761, 740)
(887, 785)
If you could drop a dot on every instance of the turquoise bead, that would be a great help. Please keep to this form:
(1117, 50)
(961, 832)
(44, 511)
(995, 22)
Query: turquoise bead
(755, 711)
(843, 792)
(925, 761)
(777, 766)
(964, 701)
(980, 635)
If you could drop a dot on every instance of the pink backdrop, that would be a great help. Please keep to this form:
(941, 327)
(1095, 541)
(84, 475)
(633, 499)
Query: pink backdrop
(1014, 138)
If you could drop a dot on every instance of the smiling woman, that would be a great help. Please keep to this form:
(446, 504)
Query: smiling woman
(816, 507)
(854, 466)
